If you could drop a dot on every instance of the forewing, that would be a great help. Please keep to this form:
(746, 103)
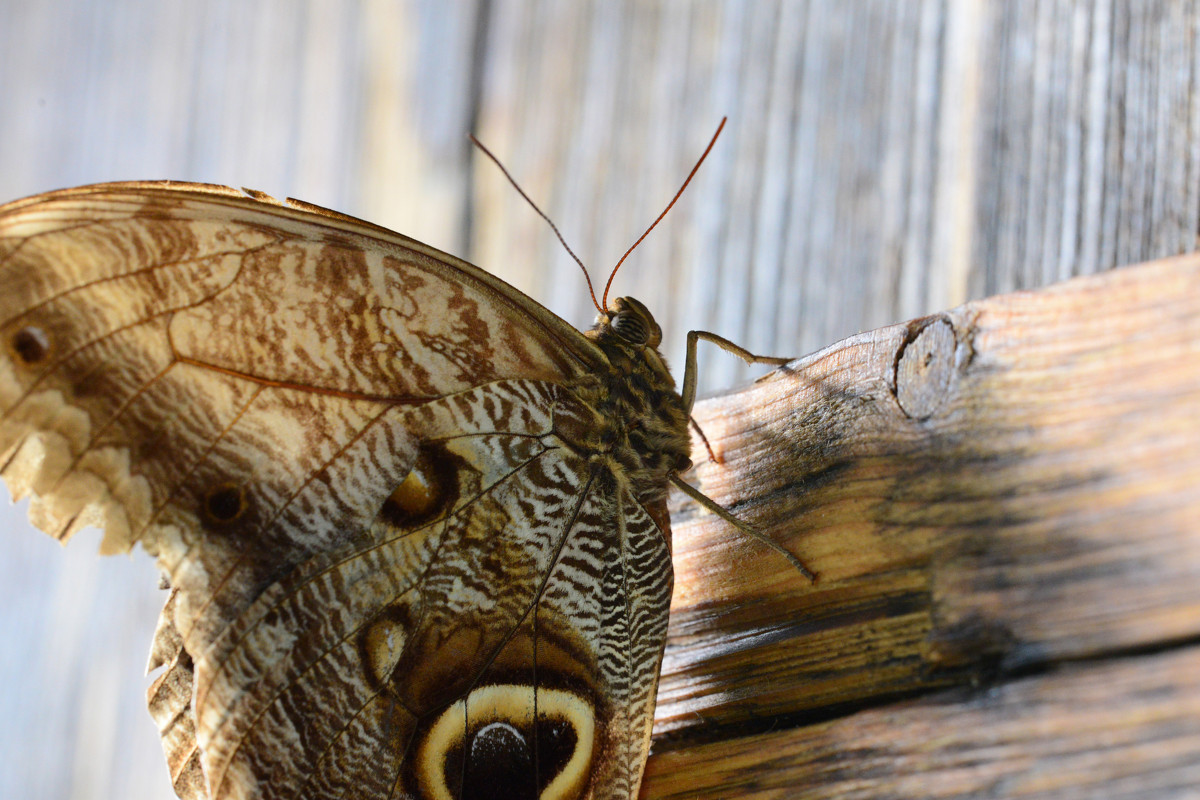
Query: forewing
(138, 315)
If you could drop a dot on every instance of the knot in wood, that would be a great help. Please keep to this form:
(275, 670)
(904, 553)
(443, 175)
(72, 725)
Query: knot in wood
(925, 370)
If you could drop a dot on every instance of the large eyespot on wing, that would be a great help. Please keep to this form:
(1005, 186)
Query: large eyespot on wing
(565, 708)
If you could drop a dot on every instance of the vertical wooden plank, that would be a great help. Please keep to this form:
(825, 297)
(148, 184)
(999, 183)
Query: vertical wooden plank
(1087, 148)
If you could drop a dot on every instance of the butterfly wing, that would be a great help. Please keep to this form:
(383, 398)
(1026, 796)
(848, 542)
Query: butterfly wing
(388, 576)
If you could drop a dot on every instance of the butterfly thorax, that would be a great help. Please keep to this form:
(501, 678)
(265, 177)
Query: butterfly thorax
(638, 425)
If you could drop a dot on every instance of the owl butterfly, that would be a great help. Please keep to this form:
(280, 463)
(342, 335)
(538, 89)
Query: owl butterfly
(413, 523)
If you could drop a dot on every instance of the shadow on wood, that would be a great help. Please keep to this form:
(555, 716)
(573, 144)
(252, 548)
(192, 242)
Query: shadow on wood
(987, 495)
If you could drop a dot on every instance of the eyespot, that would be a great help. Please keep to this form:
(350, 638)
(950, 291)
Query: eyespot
(484, 747)
(31, 344)
(630, 327)
(224, 504)
(425, 492)
(381, 642)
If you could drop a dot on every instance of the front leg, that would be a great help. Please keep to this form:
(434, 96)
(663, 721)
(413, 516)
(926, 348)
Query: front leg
(689, 366)
(689, 397)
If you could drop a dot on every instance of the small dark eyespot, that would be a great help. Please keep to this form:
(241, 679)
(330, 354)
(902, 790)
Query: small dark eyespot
(630, 327)
(31, 345)
(426, 492)
(225, 504)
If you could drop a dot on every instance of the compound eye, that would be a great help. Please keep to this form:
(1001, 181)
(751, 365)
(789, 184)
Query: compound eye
(631, 327)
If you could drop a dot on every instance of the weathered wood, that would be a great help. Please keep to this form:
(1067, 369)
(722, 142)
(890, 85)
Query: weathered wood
(997, 489)
(1125, 728)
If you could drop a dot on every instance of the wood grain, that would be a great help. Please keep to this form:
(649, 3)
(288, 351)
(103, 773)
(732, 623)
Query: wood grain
(995, 490)
(1124, 728)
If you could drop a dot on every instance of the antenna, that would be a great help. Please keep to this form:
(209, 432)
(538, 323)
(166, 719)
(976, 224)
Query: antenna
(691, 174)
(541, 214)
(603, 304)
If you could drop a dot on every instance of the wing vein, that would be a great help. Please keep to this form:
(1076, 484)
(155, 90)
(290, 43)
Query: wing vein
(566, 532)
(143, 270)
(360, 552)
(283, 505)
(354, 631)
(24, 240)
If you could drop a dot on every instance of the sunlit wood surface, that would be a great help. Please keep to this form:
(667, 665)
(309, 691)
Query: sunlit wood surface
(1003, 505)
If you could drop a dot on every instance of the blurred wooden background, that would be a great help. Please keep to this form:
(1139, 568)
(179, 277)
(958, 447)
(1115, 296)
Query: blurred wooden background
(883, 160)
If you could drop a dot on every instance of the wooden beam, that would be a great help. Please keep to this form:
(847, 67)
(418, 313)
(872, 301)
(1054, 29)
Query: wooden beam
(988, 492)
(1121, 728)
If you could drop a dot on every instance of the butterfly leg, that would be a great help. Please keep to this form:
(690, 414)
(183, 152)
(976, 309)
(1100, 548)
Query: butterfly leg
(689, 398)
(716, 508)
(689, 368)
(700, 432)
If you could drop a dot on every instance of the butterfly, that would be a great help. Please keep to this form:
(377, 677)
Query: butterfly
(413, 524)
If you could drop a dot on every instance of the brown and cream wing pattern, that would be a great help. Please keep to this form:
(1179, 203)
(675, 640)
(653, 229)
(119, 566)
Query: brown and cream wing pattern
(383, 689)
(340, 444)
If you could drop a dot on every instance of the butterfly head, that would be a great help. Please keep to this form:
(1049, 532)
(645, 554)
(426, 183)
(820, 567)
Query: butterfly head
(630, 322)
(637, 394)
